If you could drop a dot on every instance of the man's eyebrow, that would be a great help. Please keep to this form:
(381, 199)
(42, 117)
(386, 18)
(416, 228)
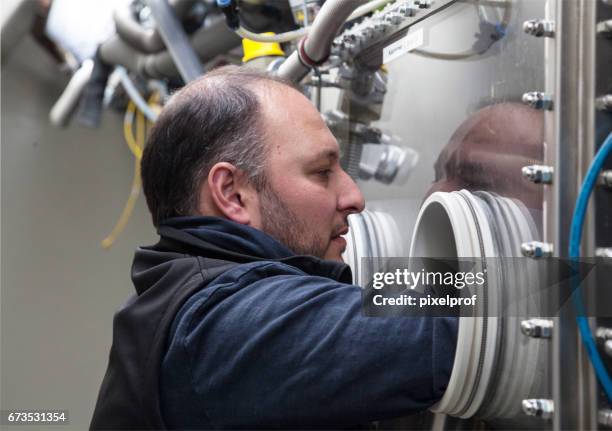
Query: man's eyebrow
(331, 155)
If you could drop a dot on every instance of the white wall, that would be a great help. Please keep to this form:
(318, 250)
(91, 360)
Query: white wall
(62, 191)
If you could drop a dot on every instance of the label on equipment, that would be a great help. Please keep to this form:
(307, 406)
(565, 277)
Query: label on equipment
(411, 41)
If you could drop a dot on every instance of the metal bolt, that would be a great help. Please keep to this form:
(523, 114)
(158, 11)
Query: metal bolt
(604, 28)
(604, 417)
(608, 347)
(367, 32)
(393, 18)
(538, 174)
(538, 407)
(537, 328)
(538, 100)
(603, 252)
(407, 10)
(381, 26)
(536, 249)
(605, 178)
(603, 333)
(604, 103)
(349, 38)
(539, 27)
(423, 4)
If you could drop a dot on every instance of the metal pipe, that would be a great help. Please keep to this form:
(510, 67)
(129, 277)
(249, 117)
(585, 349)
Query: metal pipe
(315, 47)
(63, 108)
(176, 40)
(143, 39)
(208, 42)
(147, 40)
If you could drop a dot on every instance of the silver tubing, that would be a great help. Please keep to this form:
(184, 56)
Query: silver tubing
(131, 90)
(60, 113)
(176, 40)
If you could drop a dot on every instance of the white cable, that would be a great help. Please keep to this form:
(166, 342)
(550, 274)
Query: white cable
(133, 93)
(61, 110)
(367, 8)
(270, 38)
(301, 32)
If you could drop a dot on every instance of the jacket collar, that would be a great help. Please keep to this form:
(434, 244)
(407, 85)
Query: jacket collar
(219, 238)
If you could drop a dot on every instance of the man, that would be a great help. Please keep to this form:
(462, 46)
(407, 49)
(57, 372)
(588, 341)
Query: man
(244, 315)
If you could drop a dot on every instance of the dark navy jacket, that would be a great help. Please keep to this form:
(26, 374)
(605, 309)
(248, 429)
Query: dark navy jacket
(253, 336)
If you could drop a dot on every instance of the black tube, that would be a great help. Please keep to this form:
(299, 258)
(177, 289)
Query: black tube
(90, 106)
(230, 10)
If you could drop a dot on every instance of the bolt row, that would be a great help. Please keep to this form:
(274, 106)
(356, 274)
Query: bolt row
(539, 174)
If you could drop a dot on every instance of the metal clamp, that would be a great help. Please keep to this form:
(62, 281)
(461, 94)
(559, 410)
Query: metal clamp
(538, 407)
(539, 28)
(537, 328)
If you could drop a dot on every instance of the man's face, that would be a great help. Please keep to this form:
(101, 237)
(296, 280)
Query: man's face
(309, 196)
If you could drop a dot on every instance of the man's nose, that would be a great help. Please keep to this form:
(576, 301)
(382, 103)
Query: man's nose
(350, 198)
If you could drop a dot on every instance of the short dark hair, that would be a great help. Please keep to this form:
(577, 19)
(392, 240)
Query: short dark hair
(215, 118)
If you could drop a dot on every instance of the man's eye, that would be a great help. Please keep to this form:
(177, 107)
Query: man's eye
(325, 173)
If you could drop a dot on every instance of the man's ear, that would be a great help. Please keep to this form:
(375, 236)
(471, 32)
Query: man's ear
(226, 188)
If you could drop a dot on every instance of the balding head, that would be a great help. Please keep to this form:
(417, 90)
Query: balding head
(216, 118)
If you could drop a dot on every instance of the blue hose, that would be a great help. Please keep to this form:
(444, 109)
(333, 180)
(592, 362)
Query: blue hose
(574, 252)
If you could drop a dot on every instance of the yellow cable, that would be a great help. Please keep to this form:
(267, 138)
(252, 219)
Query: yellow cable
(136, 146)
(128, 119)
